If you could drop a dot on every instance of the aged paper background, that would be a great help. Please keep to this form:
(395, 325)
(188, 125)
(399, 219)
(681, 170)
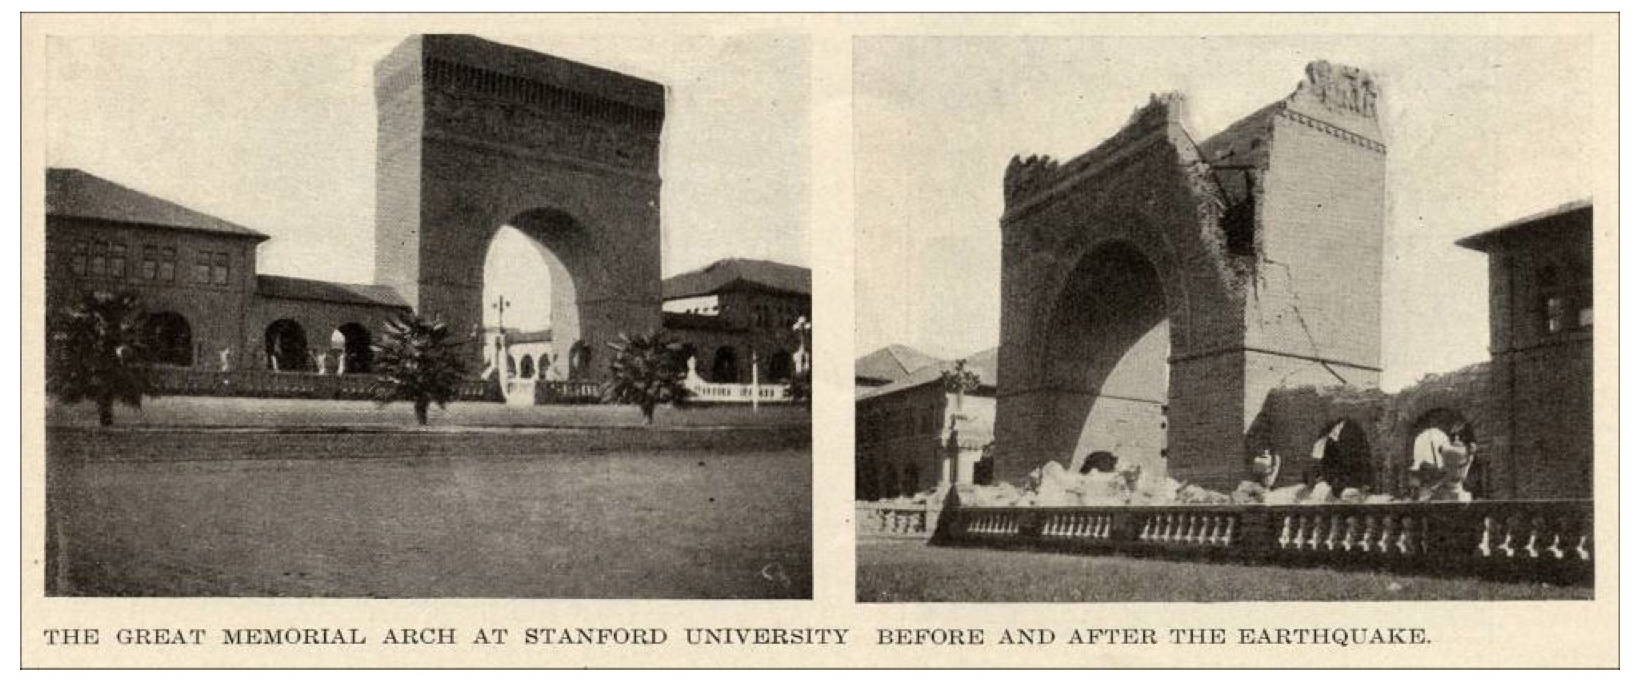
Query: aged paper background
(1568, 634)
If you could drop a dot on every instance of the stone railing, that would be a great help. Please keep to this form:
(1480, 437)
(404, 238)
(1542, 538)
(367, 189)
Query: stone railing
(567, 392)
(712, 392)
(1541, 540)
(895, 519)
(269, 384)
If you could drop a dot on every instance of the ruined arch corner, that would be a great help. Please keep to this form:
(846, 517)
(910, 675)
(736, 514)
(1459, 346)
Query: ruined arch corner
(1267, 237)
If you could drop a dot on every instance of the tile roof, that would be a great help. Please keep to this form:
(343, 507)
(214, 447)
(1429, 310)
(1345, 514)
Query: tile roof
(890, 364)
(70, 192)
(327, 291)
(983, 363)
(733, 272)
(1482, 241)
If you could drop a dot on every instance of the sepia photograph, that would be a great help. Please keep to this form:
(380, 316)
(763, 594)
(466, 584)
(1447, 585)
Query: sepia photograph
(1210, 319)
(486, 340)
(427, 316)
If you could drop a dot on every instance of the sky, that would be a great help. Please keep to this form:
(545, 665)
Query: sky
(278, 134)
(1480, 131)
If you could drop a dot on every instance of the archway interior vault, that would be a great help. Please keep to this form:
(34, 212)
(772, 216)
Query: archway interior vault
(1107, 354)
(534, 261)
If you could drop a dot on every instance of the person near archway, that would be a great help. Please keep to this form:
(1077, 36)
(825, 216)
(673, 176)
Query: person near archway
(1440, 463)
(1343, 453)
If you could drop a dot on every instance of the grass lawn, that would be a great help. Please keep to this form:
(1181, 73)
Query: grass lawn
(902, 570)
(475, 515)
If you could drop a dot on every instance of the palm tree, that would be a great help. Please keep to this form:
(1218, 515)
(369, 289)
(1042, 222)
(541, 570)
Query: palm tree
(646, 370)
(97, 346)
(418, 363)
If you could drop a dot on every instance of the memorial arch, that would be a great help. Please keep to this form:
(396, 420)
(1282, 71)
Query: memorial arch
(474, 136)
(1155, 288)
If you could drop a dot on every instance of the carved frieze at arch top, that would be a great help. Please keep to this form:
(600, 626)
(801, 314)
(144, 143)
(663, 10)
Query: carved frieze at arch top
(535, 128)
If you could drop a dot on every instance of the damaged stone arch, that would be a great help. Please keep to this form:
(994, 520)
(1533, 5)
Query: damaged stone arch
(1301, 180)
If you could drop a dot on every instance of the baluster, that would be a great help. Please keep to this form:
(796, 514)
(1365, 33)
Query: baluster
(1506, 542)
(1147, 529)
(1191, 526)
(1533, 546)
(1583, 548)
(1556, 548)
(1486, 539)
(1351, 532)
(1369, 534)
(1284, 534)
(1313, 533)
(1105, 528)
(1386, 534)
(1335, 530)
(1176, 528)
(1232, 526)
(1405, 529)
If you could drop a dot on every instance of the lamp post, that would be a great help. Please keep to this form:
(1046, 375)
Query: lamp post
(500, 306)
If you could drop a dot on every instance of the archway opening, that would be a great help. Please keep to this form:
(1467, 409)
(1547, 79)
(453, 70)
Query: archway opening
(780, 367)
(1344, 459)
(725, 366)
(525, 369)
(351, 349)
(529, 291)
(1107, 359)
(286, 344)
(170, 339)
(1433, 430)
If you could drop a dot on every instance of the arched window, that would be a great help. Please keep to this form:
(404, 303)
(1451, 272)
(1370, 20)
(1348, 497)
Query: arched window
(526, 370)
(170, 339)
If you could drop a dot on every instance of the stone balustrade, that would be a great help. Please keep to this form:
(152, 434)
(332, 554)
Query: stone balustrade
(712, 392)
(895, 519)
(270, 384)
(1541, 540)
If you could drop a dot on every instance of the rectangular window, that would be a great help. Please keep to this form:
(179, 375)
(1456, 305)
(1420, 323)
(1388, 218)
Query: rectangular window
(201, 268)
(167, 264)
(99, 258)
(79, 258)
(150, 262)
(116, 260)
(1554, 314)
(218, 272)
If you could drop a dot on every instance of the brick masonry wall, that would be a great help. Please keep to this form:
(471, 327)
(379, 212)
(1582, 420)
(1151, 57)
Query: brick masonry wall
(318, 319)
(214, 312)
(897, 442)
(1140, 196)
(450, 178)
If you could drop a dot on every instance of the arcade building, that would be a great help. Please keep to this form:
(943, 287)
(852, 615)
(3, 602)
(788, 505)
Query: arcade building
(472, 137)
